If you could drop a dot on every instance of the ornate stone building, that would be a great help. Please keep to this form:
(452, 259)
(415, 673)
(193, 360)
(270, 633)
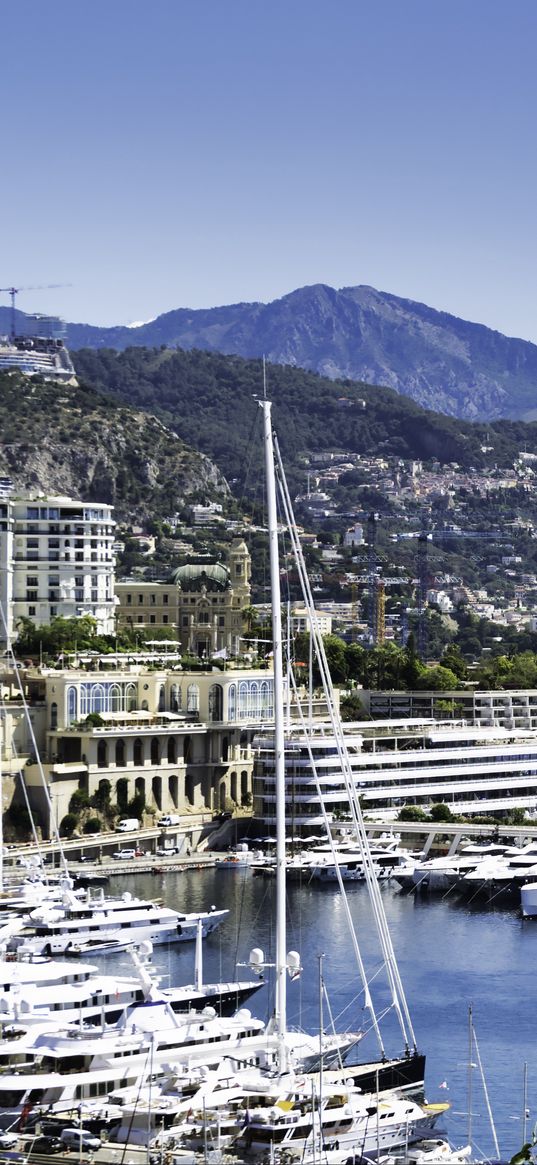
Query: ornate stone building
(181, 740)
(203, 603)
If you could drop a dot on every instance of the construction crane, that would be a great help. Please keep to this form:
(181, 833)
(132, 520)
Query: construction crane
(14, 291)
(372, 576)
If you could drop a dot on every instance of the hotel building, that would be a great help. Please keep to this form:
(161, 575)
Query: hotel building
(57, 559)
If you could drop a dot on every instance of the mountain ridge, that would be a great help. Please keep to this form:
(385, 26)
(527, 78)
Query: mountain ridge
(356, 333)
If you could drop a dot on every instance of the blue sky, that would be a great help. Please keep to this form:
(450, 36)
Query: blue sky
(199, 152)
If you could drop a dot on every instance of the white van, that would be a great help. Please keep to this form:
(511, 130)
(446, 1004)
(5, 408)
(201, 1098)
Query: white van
(128, 825)
(170, 819)
(79, 1140)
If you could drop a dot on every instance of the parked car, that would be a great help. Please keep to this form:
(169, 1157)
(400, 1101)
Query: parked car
(8, 1140)
(126, 854)
(79, 1140)
(46, 1144)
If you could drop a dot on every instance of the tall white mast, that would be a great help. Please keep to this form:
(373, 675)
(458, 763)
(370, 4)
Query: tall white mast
(279, 738)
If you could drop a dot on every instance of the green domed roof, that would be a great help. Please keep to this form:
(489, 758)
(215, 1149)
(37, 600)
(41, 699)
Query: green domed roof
(214, 577)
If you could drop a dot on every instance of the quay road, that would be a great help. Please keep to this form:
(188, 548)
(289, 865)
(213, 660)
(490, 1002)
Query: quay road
(97, 850)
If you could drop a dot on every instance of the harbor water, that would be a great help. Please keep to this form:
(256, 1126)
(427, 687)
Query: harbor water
(451, 956)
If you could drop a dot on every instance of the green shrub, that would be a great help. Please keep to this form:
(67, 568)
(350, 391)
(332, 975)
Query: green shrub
(68, 825)
(137, 805)
(92, 825)
(79, 801)
(412, 813)
(441, 812)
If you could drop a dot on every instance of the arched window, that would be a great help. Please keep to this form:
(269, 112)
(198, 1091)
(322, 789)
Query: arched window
(175, 698)
(243, 700)
(102, 797)
(162, 698)
(130, 695)
(156, 789)
(115, 698)
(145, 706)
(215, 702)
(97, 698)
(244, 788)
(120, 754)
(173, 789)
(102, 755)
(193, 698)
(233, 786)
(140, 791)
(53, 716)
(189, 788)
(232, 702)
(172, 750)
(72, 704)
(225, 749)
(265, 693)
(137, 753)
(252, 700)
(122, 794)
(155, 752)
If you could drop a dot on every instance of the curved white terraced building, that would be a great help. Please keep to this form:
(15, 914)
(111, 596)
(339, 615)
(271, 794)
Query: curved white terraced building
(394, 763)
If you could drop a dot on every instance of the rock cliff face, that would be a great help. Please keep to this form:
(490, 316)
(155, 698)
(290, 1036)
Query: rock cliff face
(443, 362)
(76, 443)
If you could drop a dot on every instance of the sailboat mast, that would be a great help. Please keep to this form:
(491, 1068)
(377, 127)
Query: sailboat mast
(279, 737)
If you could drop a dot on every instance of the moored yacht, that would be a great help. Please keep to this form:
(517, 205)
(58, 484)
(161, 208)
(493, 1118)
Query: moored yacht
(501, 877)
(94, 924)
(436, 875)
(39, 990)
(52, 1070)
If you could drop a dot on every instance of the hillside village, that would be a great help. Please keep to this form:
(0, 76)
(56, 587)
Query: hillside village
(351, 546)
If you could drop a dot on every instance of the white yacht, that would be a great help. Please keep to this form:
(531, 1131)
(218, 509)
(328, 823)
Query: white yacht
(43, 991)
(436, 875)
(250, 1112)
(501, 878)
(52, 1070)
(343, 1119)
(77, 926)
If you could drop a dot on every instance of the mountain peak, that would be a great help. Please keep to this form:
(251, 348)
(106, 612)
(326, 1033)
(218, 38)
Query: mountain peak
(355, 333)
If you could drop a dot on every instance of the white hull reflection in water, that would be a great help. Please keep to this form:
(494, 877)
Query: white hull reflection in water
(451, 954)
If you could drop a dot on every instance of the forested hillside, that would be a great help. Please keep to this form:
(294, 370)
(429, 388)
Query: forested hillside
(79, 443)
(210, 400)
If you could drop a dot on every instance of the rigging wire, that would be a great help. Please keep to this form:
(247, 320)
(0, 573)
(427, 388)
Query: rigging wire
(392, 971)
(46, 792)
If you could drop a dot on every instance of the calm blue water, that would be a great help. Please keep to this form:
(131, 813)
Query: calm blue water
(450, 956)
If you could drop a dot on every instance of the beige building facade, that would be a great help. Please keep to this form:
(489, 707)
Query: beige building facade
(203, 604)
(180, 742)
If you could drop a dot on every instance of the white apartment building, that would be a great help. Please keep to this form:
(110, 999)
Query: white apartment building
(57, 558)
